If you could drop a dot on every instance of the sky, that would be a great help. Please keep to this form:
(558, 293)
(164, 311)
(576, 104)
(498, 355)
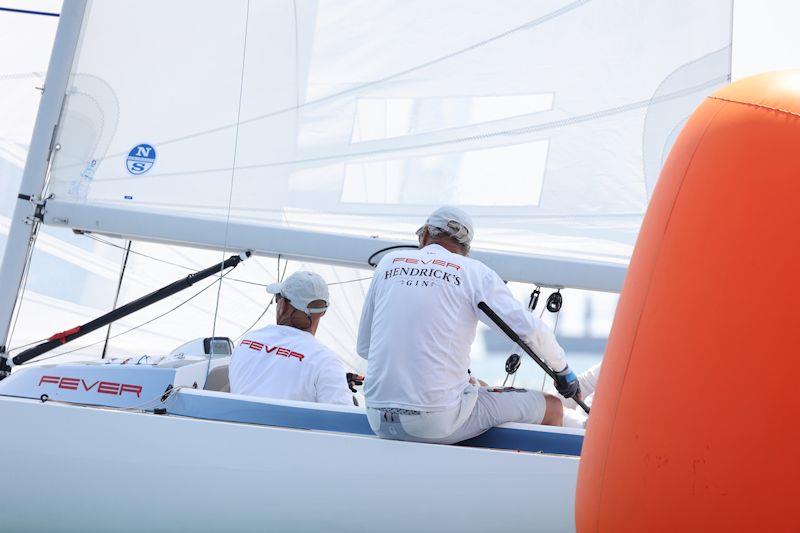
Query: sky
(765, 36)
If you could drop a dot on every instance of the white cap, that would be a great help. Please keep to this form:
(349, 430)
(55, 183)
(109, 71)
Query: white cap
(454, 222)
(302, 288)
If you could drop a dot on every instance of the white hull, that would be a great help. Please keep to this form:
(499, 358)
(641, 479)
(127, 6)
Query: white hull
(78, 468)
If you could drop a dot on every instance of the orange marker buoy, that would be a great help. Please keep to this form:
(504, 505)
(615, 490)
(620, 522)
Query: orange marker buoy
(694, 425)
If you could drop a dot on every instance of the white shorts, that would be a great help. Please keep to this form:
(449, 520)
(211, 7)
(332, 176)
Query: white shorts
(480, 409)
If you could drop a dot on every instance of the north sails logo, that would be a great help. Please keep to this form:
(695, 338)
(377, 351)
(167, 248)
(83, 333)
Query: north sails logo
(140, 159)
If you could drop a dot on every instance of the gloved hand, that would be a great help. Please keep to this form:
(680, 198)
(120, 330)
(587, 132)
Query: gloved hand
(353, 380)
(567, 383)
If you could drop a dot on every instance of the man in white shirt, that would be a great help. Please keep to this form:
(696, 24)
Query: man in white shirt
(286, 361)
(417, 326)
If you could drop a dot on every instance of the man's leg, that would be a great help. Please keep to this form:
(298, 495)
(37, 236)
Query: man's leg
(494, 408)
(554, 414)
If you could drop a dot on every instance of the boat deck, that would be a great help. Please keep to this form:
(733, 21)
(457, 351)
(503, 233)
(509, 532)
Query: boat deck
(226, 407)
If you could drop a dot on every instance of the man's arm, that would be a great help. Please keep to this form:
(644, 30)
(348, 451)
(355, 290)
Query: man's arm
(589, 379)
(331, 384)
(365, 324)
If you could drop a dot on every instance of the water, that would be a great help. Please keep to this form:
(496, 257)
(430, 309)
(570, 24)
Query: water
(491, 368)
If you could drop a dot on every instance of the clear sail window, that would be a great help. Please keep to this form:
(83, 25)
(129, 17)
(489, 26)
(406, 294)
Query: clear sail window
(501, 176)
(386, 118)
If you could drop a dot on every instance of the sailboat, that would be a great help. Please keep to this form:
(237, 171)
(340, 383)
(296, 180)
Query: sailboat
(322, 133)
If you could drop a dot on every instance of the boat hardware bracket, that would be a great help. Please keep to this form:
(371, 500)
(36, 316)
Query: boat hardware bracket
(534, 298)
(527, 349)
(167, 392)
(512, 365)
(555, 301)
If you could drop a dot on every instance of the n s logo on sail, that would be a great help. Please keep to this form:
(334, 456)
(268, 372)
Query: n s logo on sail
(140, 159)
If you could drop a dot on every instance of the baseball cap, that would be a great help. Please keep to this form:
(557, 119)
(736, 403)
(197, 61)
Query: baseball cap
(454, 222)
(302, 288)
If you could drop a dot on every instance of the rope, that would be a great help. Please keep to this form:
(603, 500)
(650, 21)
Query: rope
(172, 263)
(264, 312)
(29, 12)
(555, 329)
(230, 188)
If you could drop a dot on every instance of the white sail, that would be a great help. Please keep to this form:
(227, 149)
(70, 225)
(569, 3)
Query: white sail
(327, 143)
(545, 123)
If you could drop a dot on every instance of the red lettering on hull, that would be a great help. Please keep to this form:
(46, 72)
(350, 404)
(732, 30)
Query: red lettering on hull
(103, 387)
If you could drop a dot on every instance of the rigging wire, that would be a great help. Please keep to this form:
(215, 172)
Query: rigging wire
(17, 348)
(116, 296)
(192, 297)
(271, 301)
(29, 12)
(185, 267)
(23, 288)
(160, 260)
(230, 188)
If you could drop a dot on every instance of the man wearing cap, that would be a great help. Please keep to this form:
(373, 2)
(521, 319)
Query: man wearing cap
(417, 326)
(285, 361)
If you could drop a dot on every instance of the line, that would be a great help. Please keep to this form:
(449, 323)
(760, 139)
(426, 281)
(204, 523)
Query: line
(29, 12)
(753, 104)
(232, 184)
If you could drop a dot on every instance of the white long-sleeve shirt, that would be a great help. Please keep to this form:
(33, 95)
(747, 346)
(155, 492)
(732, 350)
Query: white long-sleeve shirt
(286, 363)
(419, 321)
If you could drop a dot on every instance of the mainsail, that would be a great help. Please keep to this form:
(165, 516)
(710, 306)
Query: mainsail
(323, 131)
(548, 120)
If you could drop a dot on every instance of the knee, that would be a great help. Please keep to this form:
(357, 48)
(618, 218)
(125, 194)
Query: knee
(554, 411)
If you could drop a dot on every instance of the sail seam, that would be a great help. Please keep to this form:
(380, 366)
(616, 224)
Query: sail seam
(753, 104)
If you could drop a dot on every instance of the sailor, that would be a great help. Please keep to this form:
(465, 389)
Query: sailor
(286, 361)
(574, 417)
(417, 326)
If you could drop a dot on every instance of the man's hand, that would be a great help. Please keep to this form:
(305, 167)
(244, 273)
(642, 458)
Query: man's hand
(567, 383)
(353, 380)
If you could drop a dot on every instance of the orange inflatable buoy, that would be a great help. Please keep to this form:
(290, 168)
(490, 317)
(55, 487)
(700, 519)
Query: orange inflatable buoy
(694, 425)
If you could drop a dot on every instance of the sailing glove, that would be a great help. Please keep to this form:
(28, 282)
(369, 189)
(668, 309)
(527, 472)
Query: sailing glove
(567, 383)
(353, 380)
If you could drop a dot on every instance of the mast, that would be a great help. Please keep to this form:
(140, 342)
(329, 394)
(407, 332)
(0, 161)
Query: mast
(27, 211)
